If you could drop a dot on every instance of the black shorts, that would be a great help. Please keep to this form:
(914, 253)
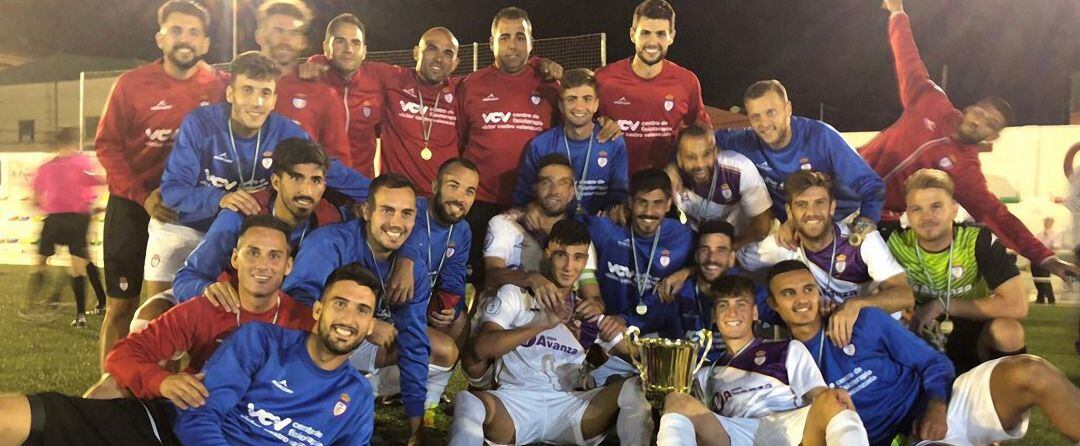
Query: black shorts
(125, 247)
(67, 229)
(962, 348)
(478, 217)
(57, 419)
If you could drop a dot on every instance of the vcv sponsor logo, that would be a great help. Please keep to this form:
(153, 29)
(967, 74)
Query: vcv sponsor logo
(414, 108)
(219, 182)
(629, 126)
(268, 419)
(159, 135)
(496, 117)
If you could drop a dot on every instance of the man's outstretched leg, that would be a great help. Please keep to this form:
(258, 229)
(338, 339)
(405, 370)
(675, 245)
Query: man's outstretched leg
(687, 421)
(14, 420)
(1017, 383)
(832, 421)
(622, 402)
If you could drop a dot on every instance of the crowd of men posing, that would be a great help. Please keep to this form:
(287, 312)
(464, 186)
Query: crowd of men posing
(300, 288)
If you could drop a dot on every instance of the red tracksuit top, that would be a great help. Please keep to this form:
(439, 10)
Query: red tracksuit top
(141, 117)
(362, 97)
(319, 110)
(922, 138)
(196, 327)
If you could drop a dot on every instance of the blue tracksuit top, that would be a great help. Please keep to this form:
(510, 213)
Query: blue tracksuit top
(266, 390)
(331, 246)
(607, 177)
(203, 165)
(445, 250)
(815, 146)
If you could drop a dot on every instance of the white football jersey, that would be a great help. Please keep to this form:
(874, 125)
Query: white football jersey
(739, 193)
(856, 269)
(767, 377)
(553, 360)
(507, 239)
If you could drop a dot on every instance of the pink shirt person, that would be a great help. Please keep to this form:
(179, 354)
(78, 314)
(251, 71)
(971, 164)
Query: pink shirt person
(67, 183)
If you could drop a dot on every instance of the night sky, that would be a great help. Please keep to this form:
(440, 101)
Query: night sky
(825, 51)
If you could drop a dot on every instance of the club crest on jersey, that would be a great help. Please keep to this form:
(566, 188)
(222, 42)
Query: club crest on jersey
(841, 263)
(725, 190)
(669, 102)
(493, 306)
(450, 250)
(448, 97)
(759, 357)
(535, 99)
(341, 405)
(957, 272)
(804, 164)
(299, 101)
(849, 349)
(266, 162)
(665, 258)
(945, 163)
(601, 159)
(155, 260)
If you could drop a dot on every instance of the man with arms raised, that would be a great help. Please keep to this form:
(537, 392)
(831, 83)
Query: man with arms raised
(852, 276)
(600, 172)
(224, 154)
(197, 327)
(719, 184)
(400, 333)
(265, 385)
(899, 384)
(134, 138)
(649, 96)
(933, 134)
(961, 274)
(781, 144)
(757, 391)
(540, 352)
(282, 36)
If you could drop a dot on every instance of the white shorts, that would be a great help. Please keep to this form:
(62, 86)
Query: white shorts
(167, 248)
(780, 429)
(614, 366)
(385, 381)
(548, 416)
(972, 418)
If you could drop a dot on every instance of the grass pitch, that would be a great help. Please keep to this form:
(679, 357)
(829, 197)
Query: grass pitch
(37, 357)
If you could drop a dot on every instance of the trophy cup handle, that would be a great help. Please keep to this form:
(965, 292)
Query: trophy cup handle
(631, 336)
(705, 337)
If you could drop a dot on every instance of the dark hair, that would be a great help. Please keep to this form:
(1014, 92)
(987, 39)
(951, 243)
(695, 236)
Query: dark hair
(761, 88)
(291, 8)
(577, 77)
(265, 221)
(654, 9)
(186, 7)
(456, 161)
(731, 285)
(716, 226)
(67, 136)
(802, 180)
(354, 272)
(568, 232)
(291, 152)
(254, 65)
(695, 130)
(345, 19)
(553, 159)
(388, 180)
(1001, 105)
(785, 266)
(510, 13)
(648, 180)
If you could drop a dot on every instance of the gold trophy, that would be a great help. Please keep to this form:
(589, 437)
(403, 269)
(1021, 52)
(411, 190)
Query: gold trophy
(667, 365)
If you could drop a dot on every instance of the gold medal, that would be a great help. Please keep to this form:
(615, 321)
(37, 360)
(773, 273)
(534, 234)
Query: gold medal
(947, 326)
(425, 154)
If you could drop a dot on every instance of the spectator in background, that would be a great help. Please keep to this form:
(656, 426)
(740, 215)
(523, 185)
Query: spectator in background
(1041, 276)
(64, 188)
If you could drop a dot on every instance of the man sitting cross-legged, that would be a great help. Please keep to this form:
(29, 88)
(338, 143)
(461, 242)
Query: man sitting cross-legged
(899, 384)
(757, 392)
(265, 385)
(540, 355)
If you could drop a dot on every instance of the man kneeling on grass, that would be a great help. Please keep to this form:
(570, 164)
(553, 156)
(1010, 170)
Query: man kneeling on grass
(266, 385)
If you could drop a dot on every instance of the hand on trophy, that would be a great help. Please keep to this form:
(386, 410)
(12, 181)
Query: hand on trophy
(611, 326)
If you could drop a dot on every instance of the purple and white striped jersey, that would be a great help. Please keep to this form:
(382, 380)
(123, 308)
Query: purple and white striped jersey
(737, 195)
